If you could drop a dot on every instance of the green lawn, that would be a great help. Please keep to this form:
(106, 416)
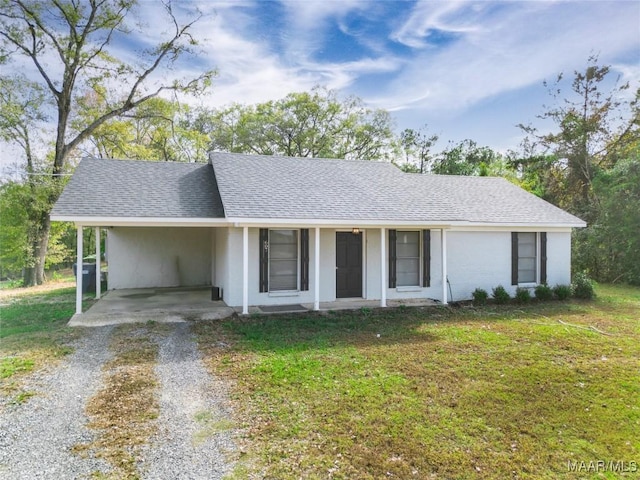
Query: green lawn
(33, 332)
(509, 392)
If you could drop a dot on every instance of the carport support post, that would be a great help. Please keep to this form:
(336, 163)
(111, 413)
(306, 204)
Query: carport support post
(383, 264)
(245, 270)
(316, 273)
(443, 252)
(79, 268)
(98, 286)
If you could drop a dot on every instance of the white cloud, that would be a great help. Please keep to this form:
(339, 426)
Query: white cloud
(450, 17)
(519, 45)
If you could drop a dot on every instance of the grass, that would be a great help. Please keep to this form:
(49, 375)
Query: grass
(495, 392)
(33, 332)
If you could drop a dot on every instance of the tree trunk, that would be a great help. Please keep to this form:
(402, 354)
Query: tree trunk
(41, 251)
(38, 244)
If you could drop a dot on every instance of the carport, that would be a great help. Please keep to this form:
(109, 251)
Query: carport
(162, 305)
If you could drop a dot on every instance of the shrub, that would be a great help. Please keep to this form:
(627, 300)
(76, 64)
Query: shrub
(582, 286)
(500, 295)
(562, 292)
(543, 292)
(480, 296)
(523, 295)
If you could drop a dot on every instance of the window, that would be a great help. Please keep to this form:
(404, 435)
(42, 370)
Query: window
(283, 260)
(284, 253)
(528, 259)
(409, 258)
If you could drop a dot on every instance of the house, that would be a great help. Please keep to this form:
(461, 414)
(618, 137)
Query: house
(281, 230)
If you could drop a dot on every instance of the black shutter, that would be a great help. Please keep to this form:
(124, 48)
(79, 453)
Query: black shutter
(392, 258)
(264, 260)
(426, 258)
(543, 257)
(514, 258)
(304, 259)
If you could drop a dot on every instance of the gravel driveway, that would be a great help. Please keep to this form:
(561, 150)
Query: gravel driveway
(193, 424)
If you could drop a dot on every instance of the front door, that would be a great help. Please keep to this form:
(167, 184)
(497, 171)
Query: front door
(348, 265)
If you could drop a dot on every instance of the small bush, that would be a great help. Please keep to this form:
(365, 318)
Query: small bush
(500, 295)
(562, 292)
(480, 296)
(543, 292)
(582, 286)
(523, 295)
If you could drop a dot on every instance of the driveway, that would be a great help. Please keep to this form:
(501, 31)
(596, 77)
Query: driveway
(38, 438)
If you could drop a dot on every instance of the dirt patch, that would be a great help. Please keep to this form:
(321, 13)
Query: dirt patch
(125, 409)
(11, 293)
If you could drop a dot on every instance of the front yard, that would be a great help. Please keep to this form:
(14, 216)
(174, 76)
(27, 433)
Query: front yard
(547, 390)
(542, 391)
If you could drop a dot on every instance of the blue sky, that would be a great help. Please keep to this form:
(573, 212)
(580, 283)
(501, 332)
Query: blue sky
(467, 69)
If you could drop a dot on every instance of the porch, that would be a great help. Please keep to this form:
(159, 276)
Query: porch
(176, 305)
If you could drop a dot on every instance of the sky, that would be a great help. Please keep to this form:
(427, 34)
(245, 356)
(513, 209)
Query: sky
(466, 69)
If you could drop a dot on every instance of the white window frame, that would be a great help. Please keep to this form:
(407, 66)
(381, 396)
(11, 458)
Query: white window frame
(418, 286)
(297, 288)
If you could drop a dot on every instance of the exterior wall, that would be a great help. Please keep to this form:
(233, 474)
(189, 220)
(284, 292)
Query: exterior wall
(166, 257)
(478, 260)
(145, 257)
(229, 269)
(482, 259)
(221, 276)
(558, 258)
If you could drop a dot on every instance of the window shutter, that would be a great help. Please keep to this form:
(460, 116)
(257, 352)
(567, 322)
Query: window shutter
(392, 258)
(264, 260)
(514, 258)
(426, 258)
(543, 257)
(304, 259)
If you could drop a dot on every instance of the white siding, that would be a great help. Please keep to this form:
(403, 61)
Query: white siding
(142, 257)
(483, 260)
(165, 257)
(558, 258)
(478, 260)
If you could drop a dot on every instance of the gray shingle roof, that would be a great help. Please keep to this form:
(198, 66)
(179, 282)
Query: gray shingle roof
(264, 187)
(130, 188)
(254, 186)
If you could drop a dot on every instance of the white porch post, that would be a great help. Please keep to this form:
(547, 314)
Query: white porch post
(316, 273)
(443, 252)
(245, 270)
(79, 268)
(383, 267)
(98, 286)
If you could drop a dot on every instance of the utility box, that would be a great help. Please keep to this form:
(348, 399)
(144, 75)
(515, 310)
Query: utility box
(216, 293)
(88, 276)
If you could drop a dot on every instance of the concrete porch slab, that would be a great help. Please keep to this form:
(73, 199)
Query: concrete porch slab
(162, 305)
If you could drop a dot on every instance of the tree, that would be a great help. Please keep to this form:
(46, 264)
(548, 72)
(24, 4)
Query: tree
(416, 146)
(467, 158)
(308, 124)
(68, 43)
(159, 129)
(588, 165)
(591, 126)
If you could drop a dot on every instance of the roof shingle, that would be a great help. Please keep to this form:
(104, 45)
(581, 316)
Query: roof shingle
(133, 188)
(253, 186)
(236, 186)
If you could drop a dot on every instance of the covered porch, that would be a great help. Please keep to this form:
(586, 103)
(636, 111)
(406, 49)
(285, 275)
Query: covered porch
(238, 266)
(176, 305)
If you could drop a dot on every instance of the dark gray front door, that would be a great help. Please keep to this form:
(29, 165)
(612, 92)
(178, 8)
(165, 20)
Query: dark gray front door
(348, 265)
